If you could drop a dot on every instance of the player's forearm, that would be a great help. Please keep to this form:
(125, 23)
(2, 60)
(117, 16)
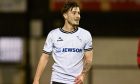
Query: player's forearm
(41, 66)
(87, 63)
(87, 66)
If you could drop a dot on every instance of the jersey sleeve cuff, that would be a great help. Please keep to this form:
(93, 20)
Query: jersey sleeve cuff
(49, 53)
(89, 49)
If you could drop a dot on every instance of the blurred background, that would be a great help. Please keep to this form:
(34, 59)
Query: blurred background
(114, 25)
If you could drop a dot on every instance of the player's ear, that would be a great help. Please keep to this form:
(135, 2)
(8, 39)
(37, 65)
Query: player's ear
(65, 15)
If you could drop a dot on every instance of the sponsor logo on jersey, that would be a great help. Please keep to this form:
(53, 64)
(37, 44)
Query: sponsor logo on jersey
(77, 50)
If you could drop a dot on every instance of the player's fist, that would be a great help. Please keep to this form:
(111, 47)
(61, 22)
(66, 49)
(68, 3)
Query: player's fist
(80, 79)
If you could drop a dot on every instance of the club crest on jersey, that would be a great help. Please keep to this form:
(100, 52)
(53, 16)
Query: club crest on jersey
(59, 39)
(79, 38)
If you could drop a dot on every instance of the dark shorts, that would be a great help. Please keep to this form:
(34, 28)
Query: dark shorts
(57, 82)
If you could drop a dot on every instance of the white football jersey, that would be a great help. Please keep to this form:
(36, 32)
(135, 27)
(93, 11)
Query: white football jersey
(67, 49)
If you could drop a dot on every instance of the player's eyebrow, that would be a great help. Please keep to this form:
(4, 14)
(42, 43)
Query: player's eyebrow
(75, 11)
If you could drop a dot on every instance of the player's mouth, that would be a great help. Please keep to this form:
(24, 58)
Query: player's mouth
(77, 20)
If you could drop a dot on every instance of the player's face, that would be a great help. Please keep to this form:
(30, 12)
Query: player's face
(73, 16)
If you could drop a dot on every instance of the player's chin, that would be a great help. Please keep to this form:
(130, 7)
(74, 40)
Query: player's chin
(76, 24)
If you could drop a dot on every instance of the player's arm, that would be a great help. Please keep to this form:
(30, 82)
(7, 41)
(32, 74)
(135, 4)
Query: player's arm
(87, 65)
(138, 54)
(87, 62)
(41, 66)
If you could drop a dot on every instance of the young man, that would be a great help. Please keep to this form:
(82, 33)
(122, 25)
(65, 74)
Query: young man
(71, 48)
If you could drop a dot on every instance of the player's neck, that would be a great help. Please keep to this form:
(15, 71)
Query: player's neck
(69, 28)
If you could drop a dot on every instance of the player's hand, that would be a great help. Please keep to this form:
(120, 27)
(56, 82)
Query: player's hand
(36, 82)
(79, 79)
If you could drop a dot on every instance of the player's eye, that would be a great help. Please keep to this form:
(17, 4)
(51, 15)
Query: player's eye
(79, 13)
(74, 12)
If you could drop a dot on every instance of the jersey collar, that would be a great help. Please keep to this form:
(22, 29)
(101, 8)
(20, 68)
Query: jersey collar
(62, 30)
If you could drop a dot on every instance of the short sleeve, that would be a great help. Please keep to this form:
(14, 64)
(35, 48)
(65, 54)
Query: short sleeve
(88, 44)
(48, 46)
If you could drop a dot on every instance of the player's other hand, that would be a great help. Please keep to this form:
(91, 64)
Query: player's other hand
(79, 79)
(36, 82)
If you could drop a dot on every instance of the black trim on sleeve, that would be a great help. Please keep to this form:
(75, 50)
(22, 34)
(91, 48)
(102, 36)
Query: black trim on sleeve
(88, 49)
(49, 53)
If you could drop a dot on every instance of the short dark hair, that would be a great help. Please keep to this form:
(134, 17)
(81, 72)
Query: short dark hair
(69, 5)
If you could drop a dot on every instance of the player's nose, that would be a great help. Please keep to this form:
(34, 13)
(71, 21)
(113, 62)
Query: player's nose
(78, 16)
